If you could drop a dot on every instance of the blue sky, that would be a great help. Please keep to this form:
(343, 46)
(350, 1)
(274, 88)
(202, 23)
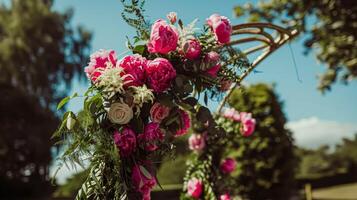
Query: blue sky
(301, 99)
(314, 118)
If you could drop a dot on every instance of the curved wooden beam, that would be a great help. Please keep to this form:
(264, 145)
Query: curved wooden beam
(270, 43)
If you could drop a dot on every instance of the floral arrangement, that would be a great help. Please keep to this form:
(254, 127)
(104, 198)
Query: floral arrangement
(137, 105)
(209, 174)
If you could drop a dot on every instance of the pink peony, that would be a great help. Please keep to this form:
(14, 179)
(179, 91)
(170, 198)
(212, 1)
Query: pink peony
(196, 142)
(134, 65)
(228, 165)
(232, 114)
(152, 135)
(225, 197)
(213, 70)
(163, 38)
(99, 60)
(212, 58)
(194, 188)
(143, 182)
(158, 112)
(221, 27)
(125, 141)
(172, 17)
(191, 49)
(185, 123)
(160, 73)
(248, 124)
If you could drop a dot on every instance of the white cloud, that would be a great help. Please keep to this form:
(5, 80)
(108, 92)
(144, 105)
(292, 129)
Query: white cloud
(312, 132)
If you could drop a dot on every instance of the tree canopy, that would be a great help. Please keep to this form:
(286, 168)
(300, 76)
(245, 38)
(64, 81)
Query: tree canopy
(40, 54)
(266, 160)
(329, 28)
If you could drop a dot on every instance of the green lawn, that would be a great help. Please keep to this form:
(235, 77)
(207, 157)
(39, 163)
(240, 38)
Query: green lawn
(346, 191)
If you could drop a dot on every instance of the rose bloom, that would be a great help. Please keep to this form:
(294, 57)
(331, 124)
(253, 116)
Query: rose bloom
(152, 134)
(228, 165)
(232, 114)
(248, 124)
(160, 73)
(185, 123)
(172, 17)
(163, 38)
(134, 66)
(120, 113)
(125, 141)
(212, 58)
(213, 70)
(191, 49)
(142, 182)
(194, 188)
(196, 142)
(221, 28)
(158, 112)
(225, 197)
(99, 60)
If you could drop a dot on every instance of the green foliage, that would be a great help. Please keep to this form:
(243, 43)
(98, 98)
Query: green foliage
(133, 14)
(36, 58)
(324, 162)
(329, 26)
(172, 171)
(40, 54)
(72, 185)
(265, 160)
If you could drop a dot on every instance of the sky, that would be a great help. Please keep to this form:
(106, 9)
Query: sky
(315, 119)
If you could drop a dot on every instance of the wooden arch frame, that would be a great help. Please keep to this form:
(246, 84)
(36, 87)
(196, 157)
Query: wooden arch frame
(270, 42)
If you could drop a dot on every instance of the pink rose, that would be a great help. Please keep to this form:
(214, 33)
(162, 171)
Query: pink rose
(225, 85)
(160, 73)
(191, 49)
(100, 60)
(163, 38)
(221, 27)
(228, 165)
(232, 114)
(225, 197)
(185, 123)
(143, 182)
(172, 17)
(158, 112)
(151, 136)
(248, 124)
(212, 58)
(194, 188)
(125, 141)
(196, 142)
(213, 70)
(134, 65)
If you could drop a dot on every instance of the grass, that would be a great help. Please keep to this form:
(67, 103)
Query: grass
(346, 192)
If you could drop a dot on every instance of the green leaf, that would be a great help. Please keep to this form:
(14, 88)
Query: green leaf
(204, 114)
(145, 172)
(63, 102)
(139, 49)
(180, 23)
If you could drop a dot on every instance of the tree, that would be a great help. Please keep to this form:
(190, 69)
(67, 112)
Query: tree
(40, 54)
(266, 160)
(329, 27)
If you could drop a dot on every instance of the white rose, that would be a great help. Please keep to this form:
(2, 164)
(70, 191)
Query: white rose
(120, 113)
(70, 122)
